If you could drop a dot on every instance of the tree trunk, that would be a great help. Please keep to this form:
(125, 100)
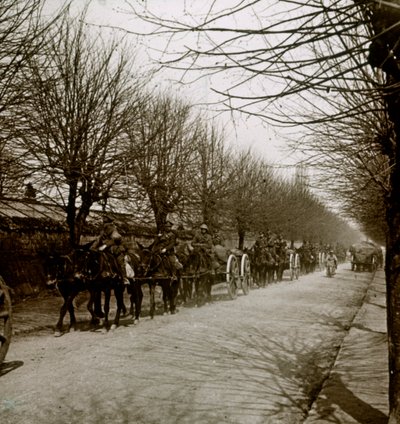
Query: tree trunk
(383, 52)
(241, 240)
(393, 267)
(73, 187)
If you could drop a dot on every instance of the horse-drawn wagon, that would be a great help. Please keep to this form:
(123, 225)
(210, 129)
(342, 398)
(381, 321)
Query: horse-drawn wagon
(364, 256)
(235, 272)
(5, 319)
(228, 267)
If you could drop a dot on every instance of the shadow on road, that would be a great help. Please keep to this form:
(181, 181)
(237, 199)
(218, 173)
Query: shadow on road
(7, 367)
(349, 403)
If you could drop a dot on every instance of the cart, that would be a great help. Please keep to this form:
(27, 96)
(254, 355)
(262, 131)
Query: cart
(237, 273)
(364, 256)
(5, 319)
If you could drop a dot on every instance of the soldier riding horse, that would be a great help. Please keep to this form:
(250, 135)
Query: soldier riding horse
(85, 269)
(157, 270)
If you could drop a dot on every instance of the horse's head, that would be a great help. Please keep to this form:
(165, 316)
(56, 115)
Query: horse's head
(134, 259)
(59, 267)
(199, 260)
(146, 259)
(183, 251)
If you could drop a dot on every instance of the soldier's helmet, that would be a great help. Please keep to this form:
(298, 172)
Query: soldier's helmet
(203, 227)
(168, 224)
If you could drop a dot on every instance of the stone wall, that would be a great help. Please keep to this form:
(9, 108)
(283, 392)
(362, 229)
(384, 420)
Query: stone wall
(23, 255)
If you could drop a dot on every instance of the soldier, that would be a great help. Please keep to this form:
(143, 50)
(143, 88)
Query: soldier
(165, 244)
(110, 240)
(203, 239)
(217, 239)
(261, 241)
(331, 260)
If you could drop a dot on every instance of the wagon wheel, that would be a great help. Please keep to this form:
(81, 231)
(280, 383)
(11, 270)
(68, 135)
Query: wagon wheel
(297, 266)
(232, 276)
(5, 319)
(245, 273)
(292, 266)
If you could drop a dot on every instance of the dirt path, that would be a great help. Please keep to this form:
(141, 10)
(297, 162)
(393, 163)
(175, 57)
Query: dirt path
(261, 358)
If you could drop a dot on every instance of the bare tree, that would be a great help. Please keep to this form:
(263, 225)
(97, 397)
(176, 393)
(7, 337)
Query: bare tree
(80, 97)
(161, 154)
(242, 203)
(212, 175)
(289, 47)
(21, 37)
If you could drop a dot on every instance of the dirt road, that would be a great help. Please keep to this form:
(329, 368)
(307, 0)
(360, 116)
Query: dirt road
(261, 358)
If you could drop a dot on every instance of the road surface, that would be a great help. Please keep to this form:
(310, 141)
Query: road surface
(262, 358)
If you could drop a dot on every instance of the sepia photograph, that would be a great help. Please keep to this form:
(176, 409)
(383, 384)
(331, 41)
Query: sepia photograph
(199, 212)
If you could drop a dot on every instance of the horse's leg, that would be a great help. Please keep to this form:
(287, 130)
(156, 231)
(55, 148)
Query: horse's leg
(97, 305)
(107, 298)
(63, 311)
(197, 289)
(270, 274)
(173, 295)
(95, 320)
(68, 297)
(119, 297)
(137, 298)
(132, 294)
(264, 273)
(208, 281)
(152, 289)
(123, 310)
(181, 290)
(71, 310)
(166, 294)
(279, 273)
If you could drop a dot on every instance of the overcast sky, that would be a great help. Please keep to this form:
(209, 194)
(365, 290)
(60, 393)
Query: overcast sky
(263, 139)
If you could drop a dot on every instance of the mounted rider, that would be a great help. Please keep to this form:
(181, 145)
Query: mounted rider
(331, 259)
(110, 241)
(165, 244)
(203, 241)
(217, 239)
(261, 241)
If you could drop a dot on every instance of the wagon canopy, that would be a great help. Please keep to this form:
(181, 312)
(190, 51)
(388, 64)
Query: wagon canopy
(365, 248)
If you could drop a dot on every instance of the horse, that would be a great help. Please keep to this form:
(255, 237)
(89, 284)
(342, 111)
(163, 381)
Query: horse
(64, 272)
(270, 263)
(185, 276)
(259, 265)
(105, 276)
(307, 260)
(79, 271)
(282, 262)
(199, 267)
(135, 287)
(157, 271)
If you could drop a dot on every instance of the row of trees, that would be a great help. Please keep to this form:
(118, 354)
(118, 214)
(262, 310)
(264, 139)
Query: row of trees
(336, 72)
(87, 130)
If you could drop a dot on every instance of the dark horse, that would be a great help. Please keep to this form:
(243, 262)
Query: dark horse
(197, 270)
(282, 262)
(185, 276)
(157, 271)
(262, 265)
(307, 260)
(85, 270)
(135, 287)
